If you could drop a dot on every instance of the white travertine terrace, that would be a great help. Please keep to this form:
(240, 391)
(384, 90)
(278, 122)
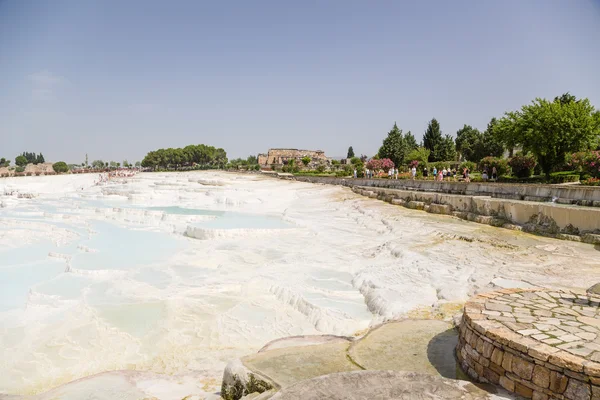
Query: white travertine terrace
(105, 278)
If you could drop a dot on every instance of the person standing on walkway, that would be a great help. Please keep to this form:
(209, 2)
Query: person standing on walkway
(354, 173)
(413, 172)
(494, 173)
(434, 173)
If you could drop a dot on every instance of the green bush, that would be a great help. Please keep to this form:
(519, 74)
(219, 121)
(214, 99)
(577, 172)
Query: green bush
(564, 177)
(60, 167)
(501, 165)
(320, 168)
(19, 169)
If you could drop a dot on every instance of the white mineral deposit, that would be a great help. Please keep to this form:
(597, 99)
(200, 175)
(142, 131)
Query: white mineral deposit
(166, 277)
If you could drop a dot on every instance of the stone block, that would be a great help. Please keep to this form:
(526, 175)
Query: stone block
(507, 383)
(522, 368)
(488, 348)
(577, 390)
(539, 396)
(541, 376)
(507, 362)
(523, 390)
(496, 368)
(558, 382)
(497, 355)
(478, 369)
(567, 360)
(491, 376)
(595, 392)
(479, 346)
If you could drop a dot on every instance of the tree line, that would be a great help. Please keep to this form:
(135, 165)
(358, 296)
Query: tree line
(199, 156)
(548, 130)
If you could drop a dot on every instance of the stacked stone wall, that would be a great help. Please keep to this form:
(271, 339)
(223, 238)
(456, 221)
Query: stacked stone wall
(489, 352)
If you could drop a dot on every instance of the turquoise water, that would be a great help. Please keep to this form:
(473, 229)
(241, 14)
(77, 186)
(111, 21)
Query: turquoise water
(124, 249)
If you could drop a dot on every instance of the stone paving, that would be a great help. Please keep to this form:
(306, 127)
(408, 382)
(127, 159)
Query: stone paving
(538, 343)
(567, 321)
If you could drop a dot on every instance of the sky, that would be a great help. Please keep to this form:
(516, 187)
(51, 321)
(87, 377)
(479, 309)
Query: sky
(115, 79)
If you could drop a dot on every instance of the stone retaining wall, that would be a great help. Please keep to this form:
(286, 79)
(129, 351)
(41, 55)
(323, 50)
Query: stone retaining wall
(489, 351)
(560, 221)
(565, 194)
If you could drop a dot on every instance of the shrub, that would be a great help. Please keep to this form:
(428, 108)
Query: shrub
(489, 162)
(19, 169)
(522, 165)
(60, 167)
(586, 161)
(320, 168)
(564, 176)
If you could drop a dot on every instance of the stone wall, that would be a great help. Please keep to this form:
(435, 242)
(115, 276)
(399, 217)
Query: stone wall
(488, 351)
(563, 194)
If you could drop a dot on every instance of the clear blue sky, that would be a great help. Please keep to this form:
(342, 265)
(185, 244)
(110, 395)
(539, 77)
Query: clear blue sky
(116, 79)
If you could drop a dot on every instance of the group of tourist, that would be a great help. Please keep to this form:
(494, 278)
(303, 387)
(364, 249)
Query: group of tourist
(120, 173)
(445, 174)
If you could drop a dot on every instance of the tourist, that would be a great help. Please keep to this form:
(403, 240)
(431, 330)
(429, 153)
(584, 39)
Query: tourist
(413, 172)
(467, 175)
(426, 173)
(454, 173)
(494, 173)
(354, 173)
(434, 173)
(484, 176)
(396, 173)
(444, 174)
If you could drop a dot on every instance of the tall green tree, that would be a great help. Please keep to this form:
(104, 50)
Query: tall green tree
(491, 142)
(447, 149)
(393, 146)
(350, 152)
(432, 140)
(551, 129)
(467, 139)
(410, 142)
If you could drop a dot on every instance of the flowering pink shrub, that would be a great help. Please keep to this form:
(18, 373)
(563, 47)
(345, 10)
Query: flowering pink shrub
(413, 163)
(586, 161)
(374, 165)
(522, 165)
(387, 164)
(384, 164)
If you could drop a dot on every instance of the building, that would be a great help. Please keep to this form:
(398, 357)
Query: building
(279, 157)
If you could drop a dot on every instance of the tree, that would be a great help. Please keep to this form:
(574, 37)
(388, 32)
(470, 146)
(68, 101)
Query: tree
(393, 146)
(350, 152)
(98, 164)
(490, 144)
(86, 160)
(4, 162)
(60, 167)
(467, 139)
(551, 129)
(40, 159)
(447, 150)
(306, 160)
(138, 164)
(432, 140)
(410, 142)
(21, 161)
(420, 154)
